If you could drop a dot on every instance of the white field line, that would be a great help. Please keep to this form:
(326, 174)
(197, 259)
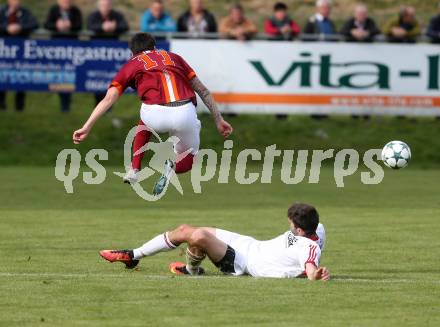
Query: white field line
(80, 275)
(100, 276)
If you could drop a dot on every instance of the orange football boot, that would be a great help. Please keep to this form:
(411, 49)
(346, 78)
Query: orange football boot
(124, 256)
(179, 268)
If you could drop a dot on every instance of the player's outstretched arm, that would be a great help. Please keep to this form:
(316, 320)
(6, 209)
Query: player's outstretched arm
(223, 127)
(111, 97)
(314, 273)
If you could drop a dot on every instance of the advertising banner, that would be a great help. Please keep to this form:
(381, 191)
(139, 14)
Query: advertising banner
(315, 77)
(249, 77)
(61, 65)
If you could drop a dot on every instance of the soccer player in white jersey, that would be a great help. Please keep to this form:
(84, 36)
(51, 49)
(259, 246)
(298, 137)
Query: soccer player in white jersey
(295, 253)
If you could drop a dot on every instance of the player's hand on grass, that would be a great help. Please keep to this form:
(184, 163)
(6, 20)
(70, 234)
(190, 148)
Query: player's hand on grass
(322, 274)
(80, 135)
(224, 128)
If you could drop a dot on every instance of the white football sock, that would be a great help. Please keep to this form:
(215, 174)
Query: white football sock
(158, 244)
(193, 262)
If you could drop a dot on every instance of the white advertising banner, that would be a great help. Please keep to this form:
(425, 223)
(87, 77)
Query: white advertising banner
(315, 77)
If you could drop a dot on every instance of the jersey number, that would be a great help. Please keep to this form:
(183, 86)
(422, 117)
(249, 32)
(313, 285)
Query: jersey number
(151, 63)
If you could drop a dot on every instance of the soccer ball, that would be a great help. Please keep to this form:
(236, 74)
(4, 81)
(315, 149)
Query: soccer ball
(396, 154)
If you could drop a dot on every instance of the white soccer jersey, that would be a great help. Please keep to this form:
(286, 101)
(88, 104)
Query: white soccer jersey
(284, 256)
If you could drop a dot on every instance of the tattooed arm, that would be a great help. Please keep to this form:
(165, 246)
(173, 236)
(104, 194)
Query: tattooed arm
(223, 127)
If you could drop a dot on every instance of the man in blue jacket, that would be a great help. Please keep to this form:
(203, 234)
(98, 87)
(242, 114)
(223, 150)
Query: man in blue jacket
(156, 19)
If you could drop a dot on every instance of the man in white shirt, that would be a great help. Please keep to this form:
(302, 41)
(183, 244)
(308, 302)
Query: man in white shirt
(295, 253)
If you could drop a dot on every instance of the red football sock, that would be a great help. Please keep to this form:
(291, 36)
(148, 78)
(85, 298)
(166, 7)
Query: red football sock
(184, 164)
(142, 137)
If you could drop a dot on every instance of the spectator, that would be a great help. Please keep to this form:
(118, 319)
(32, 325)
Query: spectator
(157, 20)
(360, 28)
(403, 28)
(106, 23)
(281, 26)
(433, 31)
(320, 23)
(197, 20)
(15, 21)
(236, 25)
(65, 21)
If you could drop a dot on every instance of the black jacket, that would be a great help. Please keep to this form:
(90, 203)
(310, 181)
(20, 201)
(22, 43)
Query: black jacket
(433, 31)
(182, 22)
(370, 26)
(75, 18)
(95, 20)
(26, 19)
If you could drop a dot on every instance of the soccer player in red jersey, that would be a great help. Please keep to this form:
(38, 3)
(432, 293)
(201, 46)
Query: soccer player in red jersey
(167, 87)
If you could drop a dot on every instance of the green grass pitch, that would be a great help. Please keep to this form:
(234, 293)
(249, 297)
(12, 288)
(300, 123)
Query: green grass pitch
(382, 249)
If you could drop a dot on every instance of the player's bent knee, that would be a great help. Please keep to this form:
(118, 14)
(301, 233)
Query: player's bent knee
(199, 238)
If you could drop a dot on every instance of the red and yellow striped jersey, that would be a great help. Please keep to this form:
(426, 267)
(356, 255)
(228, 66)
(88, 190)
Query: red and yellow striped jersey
(158, 76)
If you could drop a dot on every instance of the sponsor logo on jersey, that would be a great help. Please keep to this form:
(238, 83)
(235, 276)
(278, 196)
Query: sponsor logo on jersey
(291, 239)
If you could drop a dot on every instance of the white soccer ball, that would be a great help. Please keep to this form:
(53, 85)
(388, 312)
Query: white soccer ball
(396, 154)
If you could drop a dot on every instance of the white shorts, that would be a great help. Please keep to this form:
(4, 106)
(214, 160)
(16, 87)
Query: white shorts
(181, 122)
(240, 244)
